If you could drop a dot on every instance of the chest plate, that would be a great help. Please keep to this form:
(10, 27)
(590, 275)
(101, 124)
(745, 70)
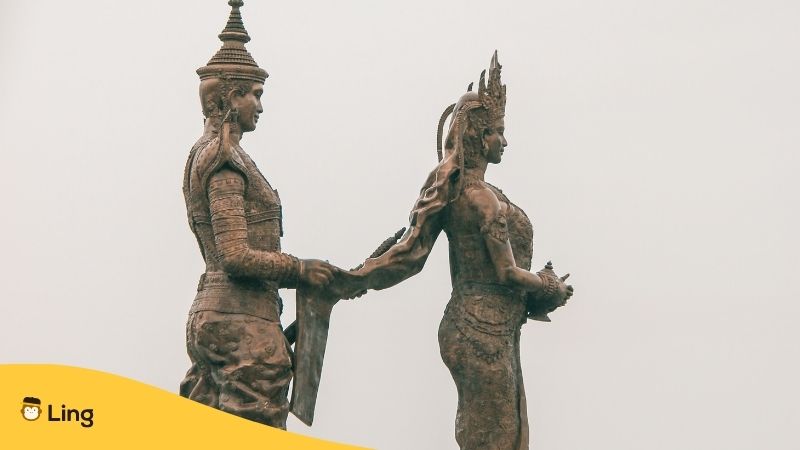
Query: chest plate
(263, 211)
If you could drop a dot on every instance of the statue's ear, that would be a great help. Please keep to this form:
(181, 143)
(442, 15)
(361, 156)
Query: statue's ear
(231, 97)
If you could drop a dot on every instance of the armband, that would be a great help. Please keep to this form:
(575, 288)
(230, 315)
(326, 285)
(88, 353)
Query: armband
(496, 228)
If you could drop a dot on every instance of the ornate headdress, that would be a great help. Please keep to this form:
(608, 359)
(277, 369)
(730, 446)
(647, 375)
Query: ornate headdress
(491, 97)
(444, 183)
(233, 61)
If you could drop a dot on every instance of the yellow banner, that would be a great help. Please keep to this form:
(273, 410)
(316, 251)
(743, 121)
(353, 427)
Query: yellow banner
(52, 406)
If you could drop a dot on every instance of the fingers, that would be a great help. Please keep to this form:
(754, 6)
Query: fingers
(326, 272)
(319, 273)
(356, 295)
(325, 276)
(319, 277)
(331, 267)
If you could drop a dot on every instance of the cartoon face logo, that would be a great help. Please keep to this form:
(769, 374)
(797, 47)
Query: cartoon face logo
(31, 408)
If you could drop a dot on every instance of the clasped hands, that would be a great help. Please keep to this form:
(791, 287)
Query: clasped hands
(332, 280)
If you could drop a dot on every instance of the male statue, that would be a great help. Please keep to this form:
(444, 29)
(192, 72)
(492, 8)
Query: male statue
(241, 360)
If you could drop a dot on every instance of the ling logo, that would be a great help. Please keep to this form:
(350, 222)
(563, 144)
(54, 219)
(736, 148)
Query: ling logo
(32, 409)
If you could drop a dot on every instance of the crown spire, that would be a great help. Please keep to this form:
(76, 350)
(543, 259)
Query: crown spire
(233, 60)
(234, 29)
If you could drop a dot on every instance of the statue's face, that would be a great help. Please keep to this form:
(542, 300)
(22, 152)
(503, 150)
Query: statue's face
(248, 106)
(494, 142)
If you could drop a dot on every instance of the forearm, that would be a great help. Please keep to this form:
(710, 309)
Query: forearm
(383, 275)
(402, 260)
(495, 233)
(229, 224)
(273, 266)
(523, 279)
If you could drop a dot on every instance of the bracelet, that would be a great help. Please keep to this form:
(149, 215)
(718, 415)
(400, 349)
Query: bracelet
(549, 286)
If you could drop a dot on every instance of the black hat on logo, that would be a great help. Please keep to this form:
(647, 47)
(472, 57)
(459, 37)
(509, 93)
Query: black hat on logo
(32, 401)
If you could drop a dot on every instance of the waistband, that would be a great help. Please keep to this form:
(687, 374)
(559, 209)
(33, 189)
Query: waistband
(222, 280)
(476, 287)
(216, 291)
(488, 308)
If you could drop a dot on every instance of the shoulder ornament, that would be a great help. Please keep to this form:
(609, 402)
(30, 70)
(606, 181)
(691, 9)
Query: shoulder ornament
(219, 153)
(496, 227)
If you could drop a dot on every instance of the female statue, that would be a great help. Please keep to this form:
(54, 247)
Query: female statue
(491, 246)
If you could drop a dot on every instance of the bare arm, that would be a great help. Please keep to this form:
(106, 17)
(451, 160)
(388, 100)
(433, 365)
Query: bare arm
(401, 261)
(494, 228)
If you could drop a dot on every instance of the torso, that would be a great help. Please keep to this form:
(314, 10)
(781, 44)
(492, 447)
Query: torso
(261, 203)
(470, 261)
(217, 290)
(263, 209)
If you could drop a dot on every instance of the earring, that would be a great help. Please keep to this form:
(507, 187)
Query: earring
(232, 115)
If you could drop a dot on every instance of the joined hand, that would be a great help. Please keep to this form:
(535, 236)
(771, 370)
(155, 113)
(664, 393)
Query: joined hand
(347, 285)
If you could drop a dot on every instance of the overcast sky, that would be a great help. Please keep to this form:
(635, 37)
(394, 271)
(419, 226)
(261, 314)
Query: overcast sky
(653, 144)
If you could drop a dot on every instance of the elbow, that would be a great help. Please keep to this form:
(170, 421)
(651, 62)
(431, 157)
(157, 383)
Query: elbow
(507, 275)
(233, 263)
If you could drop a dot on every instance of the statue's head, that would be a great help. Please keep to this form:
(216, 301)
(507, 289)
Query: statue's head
(231, 83)
(238, 100)
(478, 120)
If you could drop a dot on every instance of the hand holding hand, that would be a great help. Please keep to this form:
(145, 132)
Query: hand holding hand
(317, 273)
(347, 284)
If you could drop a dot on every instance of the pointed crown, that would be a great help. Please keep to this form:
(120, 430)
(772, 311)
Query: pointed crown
(493, 95)
(232, 60)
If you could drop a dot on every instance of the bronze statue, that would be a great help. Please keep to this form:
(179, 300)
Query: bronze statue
(241, 359)
(491, 246)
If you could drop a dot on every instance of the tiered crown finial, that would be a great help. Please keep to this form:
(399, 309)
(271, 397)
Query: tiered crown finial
(233, 60)
(234, 29)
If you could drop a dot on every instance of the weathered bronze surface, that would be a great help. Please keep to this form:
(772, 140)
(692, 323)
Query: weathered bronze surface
(491, 246)
(241, 359)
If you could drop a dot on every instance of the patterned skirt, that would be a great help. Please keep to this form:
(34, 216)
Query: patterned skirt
(479, 343)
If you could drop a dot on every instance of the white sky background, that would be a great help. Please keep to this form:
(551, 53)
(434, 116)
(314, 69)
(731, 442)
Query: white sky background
(654, 145)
